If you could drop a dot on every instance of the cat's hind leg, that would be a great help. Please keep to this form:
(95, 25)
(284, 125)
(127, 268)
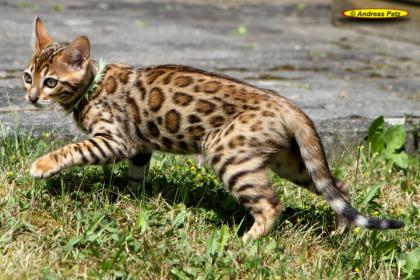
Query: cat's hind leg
(288, 164)
(242, 168)
(247, 178)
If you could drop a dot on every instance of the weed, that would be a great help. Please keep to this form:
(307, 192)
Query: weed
(388, 142)
(241, 30)
(183, 224)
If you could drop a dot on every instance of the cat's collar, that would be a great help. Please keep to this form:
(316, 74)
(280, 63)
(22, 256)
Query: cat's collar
(92, 86)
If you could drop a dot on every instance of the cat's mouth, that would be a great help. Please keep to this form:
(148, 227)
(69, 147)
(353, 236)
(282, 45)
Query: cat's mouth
(39, 103)
(44, 103)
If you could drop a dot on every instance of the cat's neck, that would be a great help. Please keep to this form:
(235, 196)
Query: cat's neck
(91, 70)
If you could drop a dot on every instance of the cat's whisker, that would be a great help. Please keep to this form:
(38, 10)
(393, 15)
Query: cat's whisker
(54, 109)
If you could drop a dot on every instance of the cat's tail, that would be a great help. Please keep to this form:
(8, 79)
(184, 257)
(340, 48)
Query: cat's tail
(313, 155)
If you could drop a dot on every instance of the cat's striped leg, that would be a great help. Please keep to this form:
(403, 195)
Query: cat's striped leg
(96, 150)
(247, 178)
(138, 166)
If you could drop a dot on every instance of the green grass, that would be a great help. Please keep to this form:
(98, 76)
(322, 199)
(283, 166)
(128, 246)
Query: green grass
(182, 224)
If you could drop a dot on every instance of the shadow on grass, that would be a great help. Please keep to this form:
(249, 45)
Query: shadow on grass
(220, 207)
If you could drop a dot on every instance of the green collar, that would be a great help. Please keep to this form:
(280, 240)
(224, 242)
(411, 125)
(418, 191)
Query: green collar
(91, 87)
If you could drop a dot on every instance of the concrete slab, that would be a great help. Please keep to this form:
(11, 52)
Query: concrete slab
(343, 78)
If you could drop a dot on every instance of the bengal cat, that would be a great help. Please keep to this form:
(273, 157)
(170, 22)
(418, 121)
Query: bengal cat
(130, 112)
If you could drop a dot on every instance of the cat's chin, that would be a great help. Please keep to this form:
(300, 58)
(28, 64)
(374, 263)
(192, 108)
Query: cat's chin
(43, 104)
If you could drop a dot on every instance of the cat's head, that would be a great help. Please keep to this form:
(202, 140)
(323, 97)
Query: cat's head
(56, 72)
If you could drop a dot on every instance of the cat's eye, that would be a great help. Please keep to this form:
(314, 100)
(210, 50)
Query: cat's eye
(50, 82)
(27, 77)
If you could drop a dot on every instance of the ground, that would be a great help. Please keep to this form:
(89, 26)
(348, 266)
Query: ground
(181, 223)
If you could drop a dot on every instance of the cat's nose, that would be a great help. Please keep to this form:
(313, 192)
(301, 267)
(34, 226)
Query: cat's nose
(33, 99)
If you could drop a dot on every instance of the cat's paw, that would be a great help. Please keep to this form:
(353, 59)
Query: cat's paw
(44, 167)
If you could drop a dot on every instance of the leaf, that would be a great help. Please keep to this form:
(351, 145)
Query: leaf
(300, 6)
(271, 247)
(371, 194)
(71, 243)
(58, 7)
(212, 244)
(376, 135)
(179, 219)
(241, 30)
(386, 247)
(377, 143)
(142, 221)
(395, 137)
(224, 237)
(412, 261)
(179, 274)
(401, 159)
(377, 126)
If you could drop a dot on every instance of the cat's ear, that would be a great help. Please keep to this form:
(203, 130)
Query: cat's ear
(41, 37)
(77, 52)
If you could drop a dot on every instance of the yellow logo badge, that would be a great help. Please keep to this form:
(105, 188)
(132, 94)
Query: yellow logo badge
(375, 13)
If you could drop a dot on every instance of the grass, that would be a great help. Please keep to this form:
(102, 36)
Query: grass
(182, 224)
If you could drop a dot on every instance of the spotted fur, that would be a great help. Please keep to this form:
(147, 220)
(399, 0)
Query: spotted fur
(243, 130)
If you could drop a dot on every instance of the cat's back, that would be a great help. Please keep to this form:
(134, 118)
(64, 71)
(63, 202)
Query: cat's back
(192, 88)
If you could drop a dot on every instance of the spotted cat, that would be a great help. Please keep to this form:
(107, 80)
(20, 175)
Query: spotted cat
(130, 112)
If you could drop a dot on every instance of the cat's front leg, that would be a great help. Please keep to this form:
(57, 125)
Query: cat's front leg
(44, 167)
(97, 150)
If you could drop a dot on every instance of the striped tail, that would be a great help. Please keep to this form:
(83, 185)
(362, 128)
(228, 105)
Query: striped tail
(315, 161)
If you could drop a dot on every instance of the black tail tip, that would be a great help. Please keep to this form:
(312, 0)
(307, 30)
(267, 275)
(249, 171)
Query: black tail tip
(377, 223)
(394, 224)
